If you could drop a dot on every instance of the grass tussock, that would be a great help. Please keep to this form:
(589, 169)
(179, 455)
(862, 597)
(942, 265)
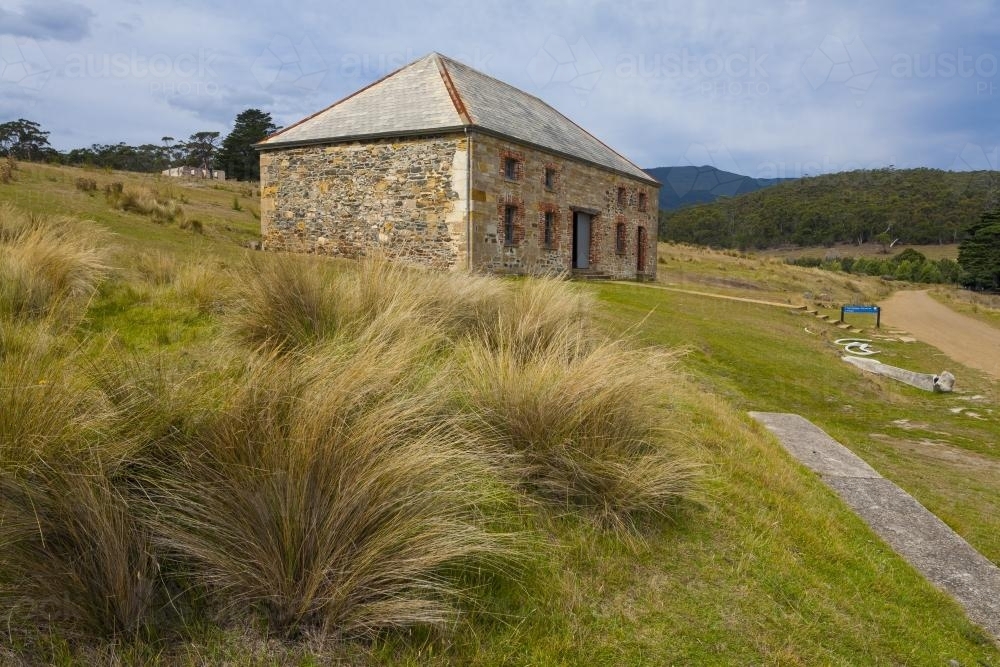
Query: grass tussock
(208, 287)
(44, 409)
(76, 560)
(581, 422)
(291, 302)
(357, 464)
(159, 205)
(7, 168)
(155, 267)
(327, 498)
(48, 266)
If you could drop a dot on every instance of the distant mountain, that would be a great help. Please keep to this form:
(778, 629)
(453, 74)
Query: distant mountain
(686, 186)
(912, 205)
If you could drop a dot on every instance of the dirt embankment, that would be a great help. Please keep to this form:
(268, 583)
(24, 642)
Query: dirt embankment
(966, 340)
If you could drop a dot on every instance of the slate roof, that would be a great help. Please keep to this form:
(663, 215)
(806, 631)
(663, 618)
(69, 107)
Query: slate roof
(436, 95)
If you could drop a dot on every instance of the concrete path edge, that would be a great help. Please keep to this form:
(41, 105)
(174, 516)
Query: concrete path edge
(921, 538)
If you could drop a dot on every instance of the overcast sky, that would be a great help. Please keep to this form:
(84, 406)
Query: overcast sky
(780, 89)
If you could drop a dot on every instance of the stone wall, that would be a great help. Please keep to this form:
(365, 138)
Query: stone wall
(576, 186)
(404, 198)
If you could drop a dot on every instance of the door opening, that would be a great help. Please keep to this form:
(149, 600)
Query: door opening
(581, 240)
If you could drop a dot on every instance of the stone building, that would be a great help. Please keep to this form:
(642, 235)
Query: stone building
(195, 172)
(444, 166)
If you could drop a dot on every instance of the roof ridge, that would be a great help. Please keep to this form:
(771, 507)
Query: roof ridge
(446, 60)
(453, 92)
(430, 55)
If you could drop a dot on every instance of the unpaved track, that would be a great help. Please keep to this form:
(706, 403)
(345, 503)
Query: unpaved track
(967, 341)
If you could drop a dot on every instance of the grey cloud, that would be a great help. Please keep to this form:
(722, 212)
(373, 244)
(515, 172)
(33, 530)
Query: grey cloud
(47, 20)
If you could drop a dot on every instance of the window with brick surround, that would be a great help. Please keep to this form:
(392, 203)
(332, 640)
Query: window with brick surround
(622, 196)
(550, 229)
(509, 220)
(511, 164)
(550, 178)
(620, 238)
(642, 201)
(510, 168)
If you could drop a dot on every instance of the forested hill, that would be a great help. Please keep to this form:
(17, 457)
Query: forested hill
(686, 186)
(912, 205)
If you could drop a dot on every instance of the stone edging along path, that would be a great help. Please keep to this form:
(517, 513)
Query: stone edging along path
(926, 542)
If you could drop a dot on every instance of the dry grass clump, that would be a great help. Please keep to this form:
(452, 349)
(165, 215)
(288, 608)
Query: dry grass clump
(209, 288)
(538, 315)
(75, 559)
(7, 168)
(582, 422)
(347, 475)
(44, 409)
(324, 497)
(284, 302)
(144, 201)
(47, 265)
(579, 415)
(156, 267)
(290, 302)
(87, 185)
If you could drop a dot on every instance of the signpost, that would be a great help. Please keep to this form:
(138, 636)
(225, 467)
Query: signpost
(868, 310)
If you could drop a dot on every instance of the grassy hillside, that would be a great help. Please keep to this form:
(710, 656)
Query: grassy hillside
(214, 427)
(915, 206)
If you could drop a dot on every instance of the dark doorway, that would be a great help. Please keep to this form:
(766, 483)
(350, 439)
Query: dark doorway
(581, 240)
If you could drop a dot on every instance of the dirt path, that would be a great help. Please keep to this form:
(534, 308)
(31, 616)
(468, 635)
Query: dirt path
(967, 341)
(713, 295)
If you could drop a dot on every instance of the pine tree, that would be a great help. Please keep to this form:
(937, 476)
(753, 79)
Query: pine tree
(237, 155)
(979, 253)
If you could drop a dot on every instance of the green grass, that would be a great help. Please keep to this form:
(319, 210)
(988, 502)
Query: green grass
(767, 567)
(762, 358)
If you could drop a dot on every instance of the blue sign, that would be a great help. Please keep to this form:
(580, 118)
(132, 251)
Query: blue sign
(861, 309)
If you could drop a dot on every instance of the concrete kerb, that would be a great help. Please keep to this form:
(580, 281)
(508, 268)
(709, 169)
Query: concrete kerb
(922, 539)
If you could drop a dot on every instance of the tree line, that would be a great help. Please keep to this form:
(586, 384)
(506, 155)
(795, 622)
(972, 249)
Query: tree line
(911, 206)
(24, 139)
(910, 265)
